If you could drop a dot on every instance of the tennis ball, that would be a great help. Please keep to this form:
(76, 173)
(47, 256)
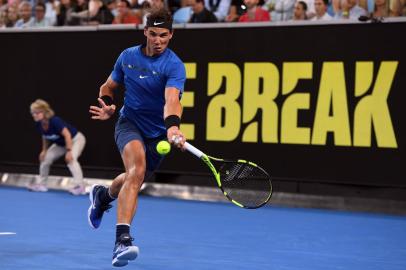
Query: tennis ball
(163, 147)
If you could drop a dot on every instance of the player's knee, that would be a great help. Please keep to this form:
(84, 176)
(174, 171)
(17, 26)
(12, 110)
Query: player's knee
(135, 178)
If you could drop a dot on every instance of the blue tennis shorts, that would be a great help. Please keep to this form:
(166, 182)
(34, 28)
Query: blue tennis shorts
(126, 132)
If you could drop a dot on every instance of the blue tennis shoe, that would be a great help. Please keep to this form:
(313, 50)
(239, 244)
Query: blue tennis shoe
(97, 208)
(124, 251)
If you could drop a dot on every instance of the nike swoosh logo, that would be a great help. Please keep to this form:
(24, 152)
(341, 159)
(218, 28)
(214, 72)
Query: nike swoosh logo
(158, 23)
(143, 77)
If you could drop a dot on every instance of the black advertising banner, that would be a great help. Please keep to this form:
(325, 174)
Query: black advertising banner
(310, 103)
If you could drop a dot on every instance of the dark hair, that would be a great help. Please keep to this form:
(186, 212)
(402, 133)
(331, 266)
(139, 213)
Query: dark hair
(127, 3)
(41, 4)
(161, 15)
(303, 4)
(326, 2)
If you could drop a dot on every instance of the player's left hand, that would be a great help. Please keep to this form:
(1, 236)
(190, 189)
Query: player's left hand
(103, 112)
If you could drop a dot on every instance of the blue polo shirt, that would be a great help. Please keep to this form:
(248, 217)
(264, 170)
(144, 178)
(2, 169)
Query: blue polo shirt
(54, 131)
(145, 79)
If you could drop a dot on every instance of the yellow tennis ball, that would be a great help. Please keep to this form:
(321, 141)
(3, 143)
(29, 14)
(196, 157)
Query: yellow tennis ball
(163, 147)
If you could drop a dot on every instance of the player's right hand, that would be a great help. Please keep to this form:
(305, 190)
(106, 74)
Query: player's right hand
(103, 112)
(176, 138)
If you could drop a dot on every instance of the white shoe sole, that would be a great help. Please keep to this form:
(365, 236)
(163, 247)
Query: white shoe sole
(129, 255)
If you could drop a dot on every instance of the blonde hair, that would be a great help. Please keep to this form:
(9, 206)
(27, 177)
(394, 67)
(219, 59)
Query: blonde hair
(42, 105)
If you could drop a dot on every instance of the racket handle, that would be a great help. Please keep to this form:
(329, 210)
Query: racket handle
(189, 147)
(193, 150)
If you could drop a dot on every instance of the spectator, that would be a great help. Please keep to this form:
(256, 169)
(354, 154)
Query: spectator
(51, 7)
(112, 6)
(3, 5)
(156, 4)
(14, 2)
(349, 9)
(80, 13)
(63, 14)
(336, 4)
(58, 139)
(183, 14)
(299, 11)
(219, 8)
(280, 10)
(136, 4)
(81, 5)
(98, 13)
(3, 13)
(397, 8)
(201, 14)
(174, 5)
(237, 9)
(254, 13)
(24, 11)
(102, 13)
(3, 19)
(311, 12)
(381, 9)
(40, 20)
(125, 15)
(320, 7)
(149, 5)
(11, 16)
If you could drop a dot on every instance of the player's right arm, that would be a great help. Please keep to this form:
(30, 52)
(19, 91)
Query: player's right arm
(106, 108)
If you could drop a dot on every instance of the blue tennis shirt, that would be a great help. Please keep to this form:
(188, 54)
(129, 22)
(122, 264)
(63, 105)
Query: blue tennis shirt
(54, 131)
(145, 79)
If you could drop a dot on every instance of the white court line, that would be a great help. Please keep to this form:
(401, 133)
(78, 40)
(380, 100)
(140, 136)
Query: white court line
(7, 233)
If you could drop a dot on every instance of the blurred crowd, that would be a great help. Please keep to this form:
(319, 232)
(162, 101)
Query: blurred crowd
(45, 13)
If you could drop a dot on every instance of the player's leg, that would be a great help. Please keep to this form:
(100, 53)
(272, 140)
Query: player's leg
(135, 163)
(78, 144)
(139, 165)
(100, 199)
(100, 196)
(53, 153)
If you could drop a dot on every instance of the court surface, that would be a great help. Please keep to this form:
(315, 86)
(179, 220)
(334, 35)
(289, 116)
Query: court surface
(51, 233)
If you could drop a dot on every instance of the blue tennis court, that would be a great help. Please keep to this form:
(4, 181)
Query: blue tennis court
(51, 232)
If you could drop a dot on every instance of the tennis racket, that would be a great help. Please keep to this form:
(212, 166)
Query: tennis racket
(244, 183)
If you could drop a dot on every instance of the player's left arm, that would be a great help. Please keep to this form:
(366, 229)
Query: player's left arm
(68, 144)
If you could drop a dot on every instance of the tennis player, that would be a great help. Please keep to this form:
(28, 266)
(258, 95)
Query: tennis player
(154, 78)
(58, 139)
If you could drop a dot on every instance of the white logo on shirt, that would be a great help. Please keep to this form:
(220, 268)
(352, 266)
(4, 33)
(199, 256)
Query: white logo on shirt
(158, 23)
(51, 137)
(143, 77)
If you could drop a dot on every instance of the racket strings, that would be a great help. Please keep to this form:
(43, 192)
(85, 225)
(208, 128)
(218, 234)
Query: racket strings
(245, 183)
(231, 172)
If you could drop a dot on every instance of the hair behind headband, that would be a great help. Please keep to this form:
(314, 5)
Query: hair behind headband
(160, 18)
